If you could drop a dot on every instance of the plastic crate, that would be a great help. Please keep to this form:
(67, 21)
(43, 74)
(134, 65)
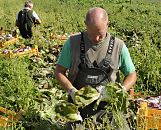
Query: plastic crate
(33, 51)
(148, 118)
(8, 117)
(9, 42)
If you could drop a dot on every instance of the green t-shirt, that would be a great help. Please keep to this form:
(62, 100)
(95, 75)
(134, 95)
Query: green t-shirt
(125, 63)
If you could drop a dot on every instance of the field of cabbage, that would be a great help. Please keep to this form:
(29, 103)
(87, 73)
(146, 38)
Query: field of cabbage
(29, 84)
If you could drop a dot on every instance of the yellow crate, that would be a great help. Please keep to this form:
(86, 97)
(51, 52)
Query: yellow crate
(148, 118)
(9, 117)
(9, 42)
(33, 51)
(4, 120)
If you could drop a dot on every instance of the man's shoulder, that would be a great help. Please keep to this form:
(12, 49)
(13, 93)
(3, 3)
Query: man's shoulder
(30, 12)
(77, 34)
(118, 40)
(75, 37)
(22, 10)
(20, 13)
(119, 44)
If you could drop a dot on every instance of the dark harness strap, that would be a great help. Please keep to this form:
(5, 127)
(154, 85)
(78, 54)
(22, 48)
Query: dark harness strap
(109, 53)
(82, 52)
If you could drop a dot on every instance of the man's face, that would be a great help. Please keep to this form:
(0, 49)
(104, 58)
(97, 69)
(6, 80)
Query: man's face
(96, 33)
(31, 6)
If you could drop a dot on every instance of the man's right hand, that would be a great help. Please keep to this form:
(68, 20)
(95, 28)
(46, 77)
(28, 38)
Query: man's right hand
(72, 92)
(102, 91)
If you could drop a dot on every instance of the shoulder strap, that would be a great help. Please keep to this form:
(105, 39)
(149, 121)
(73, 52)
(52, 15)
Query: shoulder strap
(82, 49)
(82, 52)
(85, 62)
(109, 53)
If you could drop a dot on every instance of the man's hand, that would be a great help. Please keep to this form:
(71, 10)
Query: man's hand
(102, 91)
(72, 92)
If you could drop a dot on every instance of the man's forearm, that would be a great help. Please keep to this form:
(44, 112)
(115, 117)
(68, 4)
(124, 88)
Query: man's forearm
(37, 21)
(64, 82)
(61, 77)
(129, 80)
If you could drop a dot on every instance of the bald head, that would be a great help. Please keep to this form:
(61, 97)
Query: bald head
(96, 16)
(97, 24)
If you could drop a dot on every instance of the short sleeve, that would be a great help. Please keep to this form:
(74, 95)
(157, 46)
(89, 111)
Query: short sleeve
(34, 14)
(65, 55)
(125, 62)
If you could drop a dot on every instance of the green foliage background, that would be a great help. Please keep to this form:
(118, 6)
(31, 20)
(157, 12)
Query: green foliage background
(136, 22)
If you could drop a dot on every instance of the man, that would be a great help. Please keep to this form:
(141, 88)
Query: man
(94, 58)
(25, 20)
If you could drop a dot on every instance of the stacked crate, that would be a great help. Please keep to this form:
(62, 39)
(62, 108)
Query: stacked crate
(8, 117)
(148, 118)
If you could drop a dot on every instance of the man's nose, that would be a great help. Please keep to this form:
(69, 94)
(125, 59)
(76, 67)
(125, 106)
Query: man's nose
(97, 38)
